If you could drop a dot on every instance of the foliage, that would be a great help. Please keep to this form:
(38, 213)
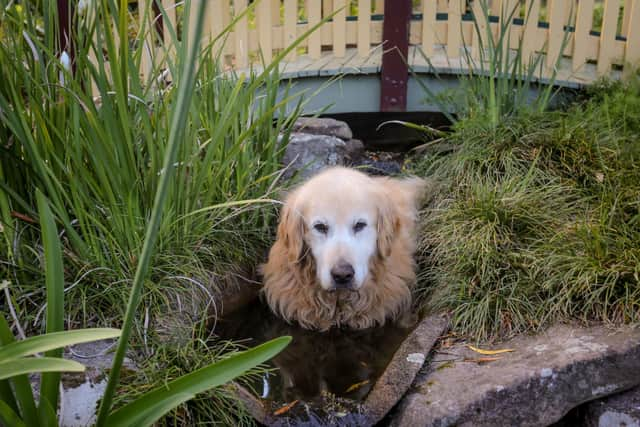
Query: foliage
(18, 407)
(143, 178)
(169, 362)
(538, 217)
(99, 162)
(500, 82)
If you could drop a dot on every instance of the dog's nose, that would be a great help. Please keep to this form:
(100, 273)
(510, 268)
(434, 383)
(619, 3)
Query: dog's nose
(342, 275)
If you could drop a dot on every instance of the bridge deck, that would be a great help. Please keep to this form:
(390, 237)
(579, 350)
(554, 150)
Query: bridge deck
(439, 63)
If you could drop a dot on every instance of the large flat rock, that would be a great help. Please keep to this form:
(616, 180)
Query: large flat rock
(622, 409)
(403, 368)
(535, 385)
(323, 126)
(308, 154)
(82, 391)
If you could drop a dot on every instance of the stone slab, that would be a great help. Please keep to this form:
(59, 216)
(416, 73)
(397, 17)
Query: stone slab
(308, 154)
(535, 385)
(82, 391)
(403, 368)
(622, 409)
(323, 126)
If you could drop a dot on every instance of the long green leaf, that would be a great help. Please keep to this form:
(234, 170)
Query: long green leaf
(21, 385)
(6, 222)
(146, 408)
(8, 416)
(6, 395)
(29, 365)
(47, 414)
(152, 413)
(46, 342)
(54, 278)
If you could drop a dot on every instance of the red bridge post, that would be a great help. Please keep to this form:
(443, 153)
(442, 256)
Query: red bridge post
(395, 71)
(65, 33)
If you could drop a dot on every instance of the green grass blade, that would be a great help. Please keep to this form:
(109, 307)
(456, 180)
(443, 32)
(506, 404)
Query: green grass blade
(54, 340)
(186, 85)
(47, 414)
(6, 396)
(21, 384)
(9, 417)
(7, 226)
(12, 368)
(157, 410)
(146, 409)
(54, 278)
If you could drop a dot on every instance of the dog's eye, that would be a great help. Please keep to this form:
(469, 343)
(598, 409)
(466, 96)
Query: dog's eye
(321, 228)
(359, 226)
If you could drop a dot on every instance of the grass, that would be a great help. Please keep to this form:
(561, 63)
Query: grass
(100, 162)
(169, 362)
(99, 165)
(538, 217)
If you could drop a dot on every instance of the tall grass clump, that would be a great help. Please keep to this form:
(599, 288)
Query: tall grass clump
(500, 82)
(538, 219)
(160, 182)
(537, 214)
(99, 160)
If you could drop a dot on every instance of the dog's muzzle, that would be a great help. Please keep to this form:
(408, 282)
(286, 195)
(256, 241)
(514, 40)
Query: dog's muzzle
(342, 276)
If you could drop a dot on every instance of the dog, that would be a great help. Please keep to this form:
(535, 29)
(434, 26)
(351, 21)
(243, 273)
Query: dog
(343, 255)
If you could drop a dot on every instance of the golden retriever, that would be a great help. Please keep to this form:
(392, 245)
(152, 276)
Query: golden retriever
(344, 248)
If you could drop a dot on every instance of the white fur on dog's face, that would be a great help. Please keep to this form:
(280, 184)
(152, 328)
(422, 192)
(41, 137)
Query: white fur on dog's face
(347, 238)
(340, 213)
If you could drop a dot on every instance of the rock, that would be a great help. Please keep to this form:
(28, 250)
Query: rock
(196, 300)
(308, 154)
(381, 167)
(535, 385)
(83, 390)
(355, 150)
(622, 409)
(401, 371)
(80, 404)
(323, 126)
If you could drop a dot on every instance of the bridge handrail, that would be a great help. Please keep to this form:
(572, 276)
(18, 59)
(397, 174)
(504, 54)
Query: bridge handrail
(436, 26)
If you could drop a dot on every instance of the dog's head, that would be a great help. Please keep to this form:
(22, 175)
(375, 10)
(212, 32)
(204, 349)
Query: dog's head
(341, 220)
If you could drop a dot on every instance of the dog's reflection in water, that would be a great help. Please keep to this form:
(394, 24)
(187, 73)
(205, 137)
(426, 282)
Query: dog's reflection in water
(342, 363)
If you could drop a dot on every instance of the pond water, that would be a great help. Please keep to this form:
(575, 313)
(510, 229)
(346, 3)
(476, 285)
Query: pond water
(321, 378)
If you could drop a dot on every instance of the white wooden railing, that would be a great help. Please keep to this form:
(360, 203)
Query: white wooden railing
(437, 27)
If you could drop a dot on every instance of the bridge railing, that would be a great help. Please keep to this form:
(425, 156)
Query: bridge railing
(604, 33)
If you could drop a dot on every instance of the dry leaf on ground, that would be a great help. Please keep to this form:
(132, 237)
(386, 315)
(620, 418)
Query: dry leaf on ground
(286, 408)
(490, 352)
(356, 386)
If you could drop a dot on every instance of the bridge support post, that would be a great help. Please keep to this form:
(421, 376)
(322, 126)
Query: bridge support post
(65, 33)
(395, 71)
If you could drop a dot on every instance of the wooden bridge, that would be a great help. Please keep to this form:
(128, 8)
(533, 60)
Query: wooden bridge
(380, 48)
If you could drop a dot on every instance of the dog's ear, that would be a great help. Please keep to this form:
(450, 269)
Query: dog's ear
(398, 208)
(388, 224)
(410, 192)
(291, 229)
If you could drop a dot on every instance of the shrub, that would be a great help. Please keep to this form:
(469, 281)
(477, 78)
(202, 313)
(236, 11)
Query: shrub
(537, 218)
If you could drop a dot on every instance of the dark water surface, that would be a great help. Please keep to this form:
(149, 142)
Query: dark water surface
(329, 373)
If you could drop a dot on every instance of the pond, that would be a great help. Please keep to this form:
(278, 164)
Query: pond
(321, 378)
